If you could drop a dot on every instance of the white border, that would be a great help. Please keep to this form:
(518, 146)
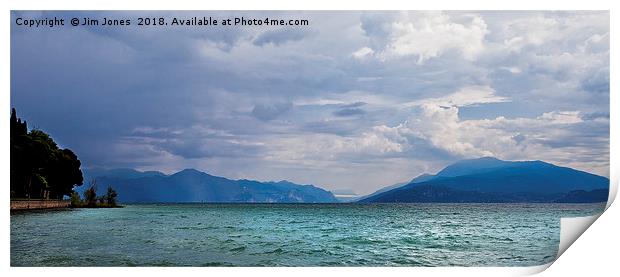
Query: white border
(583, 258)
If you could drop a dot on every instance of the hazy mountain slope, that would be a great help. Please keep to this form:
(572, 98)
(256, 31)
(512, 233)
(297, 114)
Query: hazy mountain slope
(421, 178)
(191, 185)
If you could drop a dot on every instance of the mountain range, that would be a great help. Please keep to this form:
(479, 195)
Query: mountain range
(482, 180)
(191, 185)
(492, 180)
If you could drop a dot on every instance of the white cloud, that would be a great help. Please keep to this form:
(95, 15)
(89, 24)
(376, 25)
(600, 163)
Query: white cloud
(595, 43)
(551, 136)
(467, 96)
(512, 69)
(442, 127)
(562, 117)
(429, 34)
(362, 53)
(530, 31)
(311, 148)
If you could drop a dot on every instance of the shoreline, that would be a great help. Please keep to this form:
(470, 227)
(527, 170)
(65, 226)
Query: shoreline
(50, 204)
(38, 204)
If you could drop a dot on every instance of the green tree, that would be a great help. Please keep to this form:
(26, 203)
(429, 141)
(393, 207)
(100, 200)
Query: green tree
(110, 196)
(90, 194)
(101, 200)
(76, 201)
(39, 168)
(64, 173)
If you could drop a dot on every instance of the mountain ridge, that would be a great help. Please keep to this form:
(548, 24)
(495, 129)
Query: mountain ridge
(490, 179)
(191, 185)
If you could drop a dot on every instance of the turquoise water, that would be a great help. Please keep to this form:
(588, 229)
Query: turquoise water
(293, 235)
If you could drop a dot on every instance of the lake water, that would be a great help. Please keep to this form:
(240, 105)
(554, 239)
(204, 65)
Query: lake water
(293, 235)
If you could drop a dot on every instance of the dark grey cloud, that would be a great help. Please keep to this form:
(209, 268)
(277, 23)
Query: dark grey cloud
(270, 111)
(277, 37)
(354, 105)
(597, 82)
(592, 116)
(206, 148)
(349, 112)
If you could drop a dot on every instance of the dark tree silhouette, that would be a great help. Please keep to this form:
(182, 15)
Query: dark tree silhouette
(76, 201)
(110, 196)
(39, 168)
(90, 195)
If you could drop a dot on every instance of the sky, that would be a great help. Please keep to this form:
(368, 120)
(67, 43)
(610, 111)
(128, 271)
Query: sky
(352, 102)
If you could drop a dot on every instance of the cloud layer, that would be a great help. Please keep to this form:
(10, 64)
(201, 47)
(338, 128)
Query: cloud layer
(354, 101)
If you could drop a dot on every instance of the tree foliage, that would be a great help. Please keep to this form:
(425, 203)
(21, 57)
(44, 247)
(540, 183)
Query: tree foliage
(39, 168)
(110, 196)
(76, 201)
(91, 200)
(90, 195)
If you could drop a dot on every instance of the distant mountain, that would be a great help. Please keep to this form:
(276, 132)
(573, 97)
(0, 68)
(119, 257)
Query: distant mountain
(492, 180)
(191, 185)
(582, 196)
(473, 166)
(421, 178)
(125, 173)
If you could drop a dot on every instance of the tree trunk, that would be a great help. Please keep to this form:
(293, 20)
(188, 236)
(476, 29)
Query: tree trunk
(29, 185)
